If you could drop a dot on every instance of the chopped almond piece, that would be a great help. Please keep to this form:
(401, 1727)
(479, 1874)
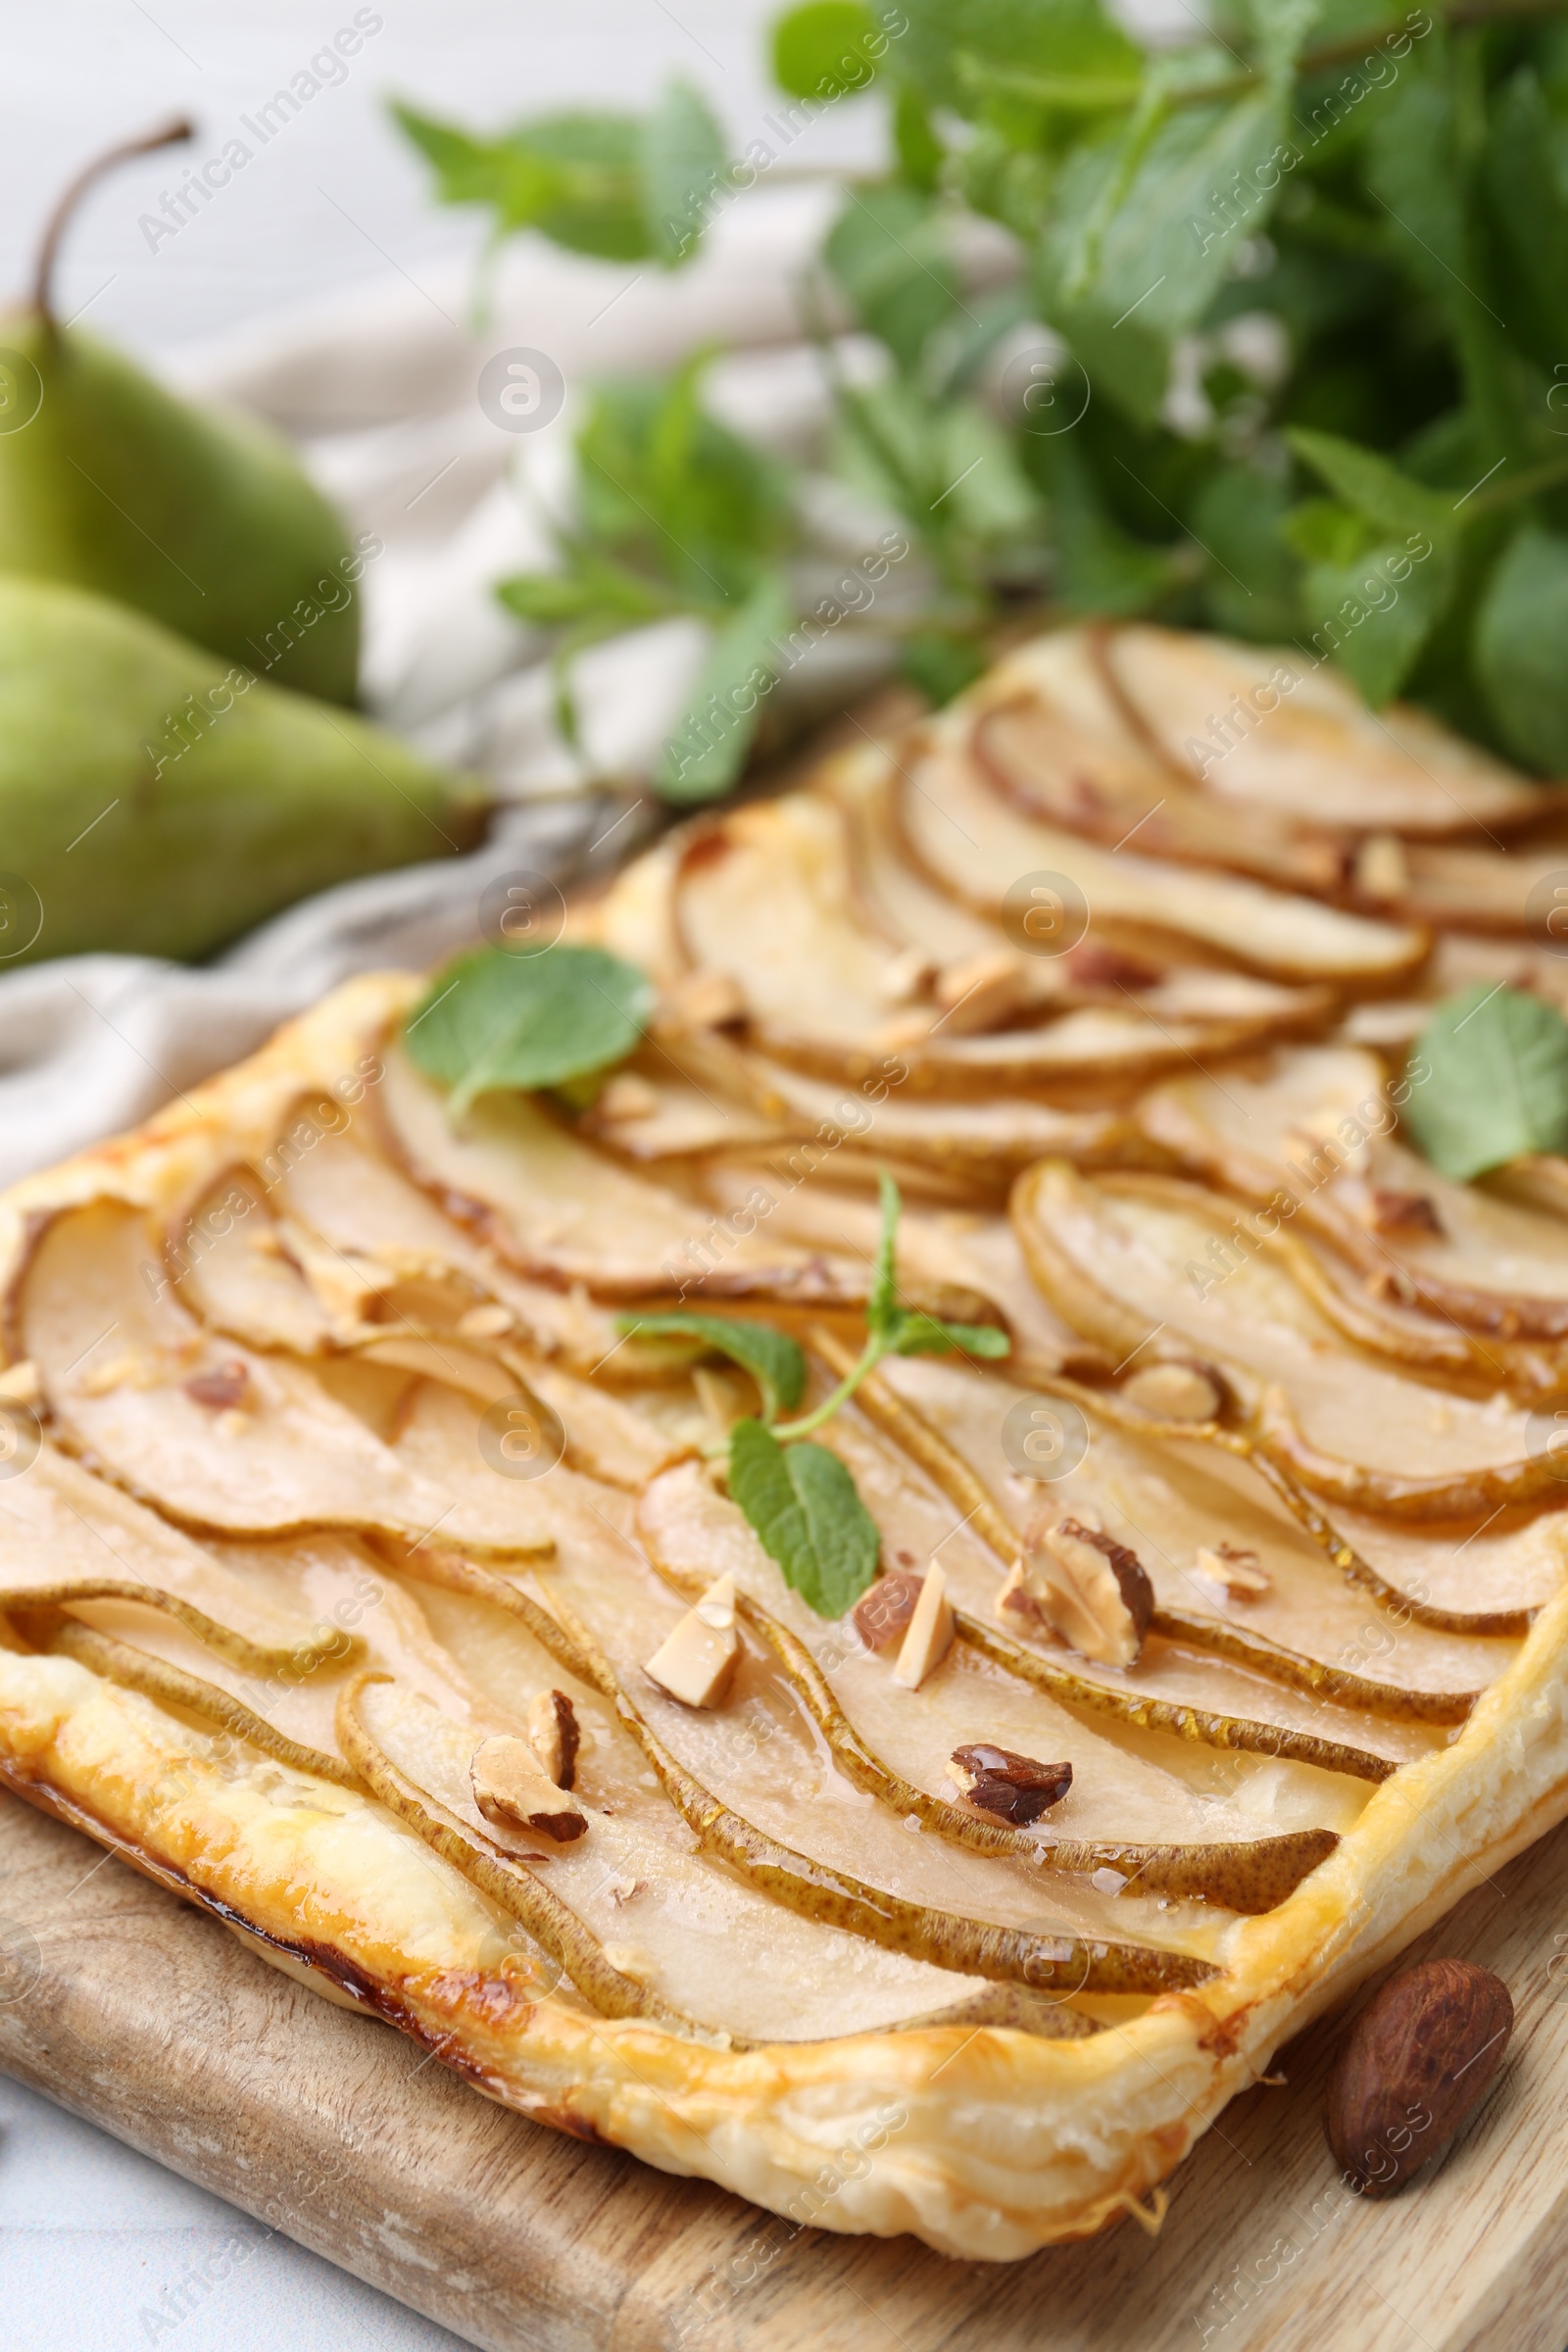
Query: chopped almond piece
(1094, 1592)
(1389, 1211)
(929, 1636)
(512, 1791)
(554, 1736)
(705, 1000)
(129, 1371)
(626, 1096)
(697, 1663)
(1235, 1570)
(1014, 1787)
(1174, 1392)
(20, 1383)
(908, 975)
(492, 1321)
(1381, 867)
(222, 1387)
(1015, 1601)
(1091, 965)
(882, 1615)
(982, 991)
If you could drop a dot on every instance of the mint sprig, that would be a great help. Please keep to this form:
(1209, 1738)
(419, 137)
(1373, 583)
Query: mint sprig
(1222, 247)
(799, 1498)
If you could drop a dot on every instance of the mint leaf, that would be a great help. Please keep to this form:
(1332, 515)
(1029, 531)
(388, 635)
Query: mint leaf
(771, 1356)
(708, 748)
(1499, 1082)
(1366, 482)
(1377, 623)
(823, 49)
(888, 249)
(575, 177)
(808, 1518)
(492, 1018)
(1169, 239)
(1061, 40)
(1522, 647)
(683, 160)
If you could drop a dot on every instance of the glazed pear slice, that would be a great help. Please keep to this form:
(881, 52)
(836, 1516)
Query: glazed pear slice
(1172, 1499)
(1318, 754)
(228, 1264)
(820, 1890)
(1136, 1268)
(965, 836)
(1053, 770)
(116, 1366)
(134, 1670)
(769, 901)
(688, 1530)
(681, 1932)
(1191, 1699)
(1116, 1794)
(705, 1094)
(359, 1205)
(757, 1756)
(404, 1730)
(1318, 1127)
(61, 1526)
(559, 1211)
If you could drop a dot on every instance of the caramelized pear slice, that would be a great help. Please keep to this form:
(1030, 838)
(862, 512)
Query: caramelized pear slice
(1318, 1130)
(115, 1362)
(711, 1095)
(358, 1203)
(1008, 1955)
(504, 1879)
(967, 838)
(1052, 770)
(230, 1268)
(768, 898)
(329, 1654)
(1303, 743)
(1245, 1875)
(562, 1213)
(973, 1406)
(121, 1662)
(1135, 1265)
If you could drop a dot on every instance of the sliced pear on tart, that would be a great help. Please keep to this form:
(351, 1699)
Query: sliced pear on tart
(1319, 1126)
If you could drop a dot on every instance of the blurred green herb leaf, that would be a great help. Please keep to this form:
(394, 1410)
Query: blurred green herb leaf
(1496, 1082)
(493, 1018)
(826, 49)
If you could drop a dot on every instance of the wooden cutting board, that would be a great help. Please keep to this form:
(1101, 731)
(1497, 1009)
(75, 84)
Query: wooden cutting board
(150, 2019)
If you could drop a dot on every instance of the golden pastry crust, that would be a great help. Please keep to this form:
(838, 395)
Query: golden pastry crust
(989, 2142)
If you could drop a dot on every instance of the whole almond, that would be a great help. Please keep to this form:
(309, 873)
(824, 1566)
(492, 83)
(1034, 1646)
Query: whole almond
(1417, 2061)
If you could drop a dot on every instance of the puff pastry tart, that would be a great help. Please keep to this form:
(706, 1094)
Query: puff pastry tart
(388, 1562)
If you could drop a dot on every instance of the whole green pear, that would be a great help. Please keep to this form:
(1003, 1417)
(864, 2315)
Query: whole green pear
(202, 519)
(156, 800)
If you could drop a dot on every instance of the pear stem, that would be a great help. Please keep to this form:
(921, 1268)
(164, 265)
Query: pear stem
(170, 134)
